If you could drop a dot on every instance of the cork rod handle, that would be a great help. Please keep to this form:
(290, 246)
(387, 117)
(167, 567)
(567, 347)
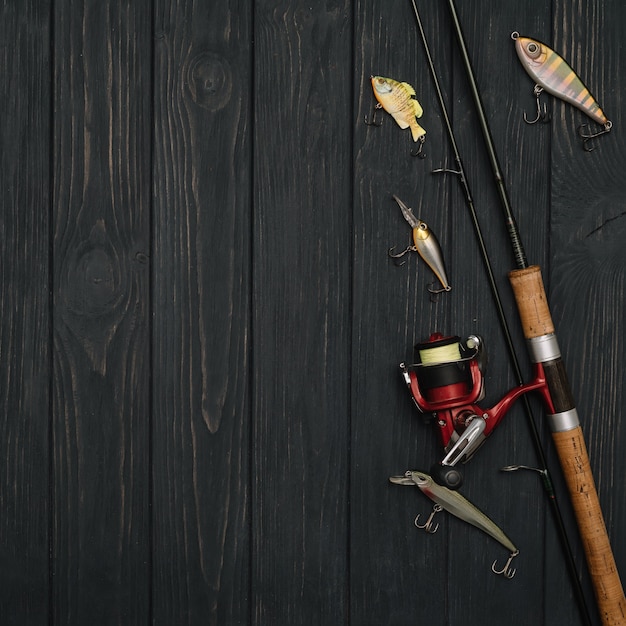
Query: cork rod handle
(570, 446)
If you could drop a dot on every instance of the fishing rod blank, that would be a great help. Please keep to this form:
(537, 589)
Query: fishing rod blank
(567, 434)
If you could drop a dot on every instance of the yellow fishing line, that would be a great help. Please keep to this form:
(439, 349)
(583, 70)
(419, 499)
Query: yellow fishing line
(440, 354)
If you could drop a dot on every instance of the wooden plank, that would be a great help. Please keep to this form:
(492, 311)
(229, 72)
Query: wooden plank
(101, 367)
(201, 296)
(24, 346)
(392, 311)
(588, 263)
(272, 220)
(516, 502)
(301, 312)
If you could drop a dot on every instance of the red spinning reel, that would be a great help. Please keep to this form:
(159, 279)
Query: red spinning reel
(446, 381)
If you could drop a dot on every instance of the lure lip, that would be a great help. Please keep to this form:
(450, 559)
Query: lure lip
(407, 213)
(403, 480)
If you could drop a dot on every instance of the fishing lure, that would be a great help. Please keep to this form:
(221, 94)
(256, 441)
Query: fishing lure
(457, 505)
(426, 245)
(398, 100)
(552, 74)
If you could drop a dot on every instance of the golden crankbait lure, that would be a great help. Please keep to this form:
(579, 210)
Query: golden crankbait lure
(552, 74)
(457, 505)
(426, 245)
(398, 100)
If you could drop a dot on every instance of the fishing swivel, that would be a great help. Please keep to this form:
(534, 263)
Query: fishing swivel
(542, 116)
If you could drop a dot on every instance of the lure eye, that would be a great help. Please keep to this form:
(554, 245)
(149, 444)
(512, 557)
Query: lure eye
(533, 50)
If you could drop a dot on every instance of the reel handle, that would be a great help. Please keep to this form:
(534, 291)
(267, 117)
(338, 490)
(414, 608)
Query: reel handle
(570, 444)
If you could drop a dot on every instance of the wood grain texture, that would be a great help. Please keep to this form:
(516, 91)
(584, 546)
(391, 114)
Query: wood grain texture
(392, 311)
(201, 300)
(301, 312)
(199, 419)
(506, 501)
(101, 356)
(24, 311)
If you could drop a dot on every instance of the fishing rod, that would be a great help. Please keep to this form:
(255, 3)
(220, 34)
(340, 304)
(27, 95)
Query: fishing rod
(567, 434)
(536, 440)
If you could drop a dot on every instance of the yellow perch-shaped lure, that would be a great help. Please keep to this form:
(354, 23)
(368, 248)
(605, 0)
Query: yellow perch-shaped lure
(552, 73)
(397, 99)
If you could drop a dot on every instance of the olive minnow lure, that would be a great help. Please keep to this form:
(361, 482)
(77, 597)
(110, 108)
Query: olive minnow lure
(457, 505)
(397, 98)
(552, 74)
(426, 245)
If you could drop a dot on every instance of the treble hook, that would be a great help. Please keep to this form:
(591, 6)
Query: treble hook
(605, 129)
(419, 152)
(428, 525)
(542, 116)
(401, 254)
(434, 293)
(377, 107)
(506, 571)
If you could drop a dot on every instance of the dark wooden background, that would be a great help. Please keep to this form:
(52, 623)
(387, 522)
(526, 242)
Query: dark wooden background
(201, 329)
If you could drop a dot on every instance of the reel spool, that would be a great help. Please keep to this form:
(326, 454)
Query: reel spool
(448, 372)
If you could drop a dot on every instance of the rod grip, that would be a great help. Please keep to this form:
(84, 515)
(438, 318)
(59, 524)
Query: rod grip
(571, 449)
(572, 452)
(532, 302)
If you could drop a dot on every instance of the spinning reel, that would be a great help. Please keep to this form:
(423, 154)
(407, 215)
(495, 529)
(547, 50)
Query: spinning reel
(446, 381)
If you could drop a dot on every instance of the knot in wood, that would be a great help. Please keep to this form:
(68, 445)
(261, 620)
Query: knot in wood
(92, 275)
(210, 81)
